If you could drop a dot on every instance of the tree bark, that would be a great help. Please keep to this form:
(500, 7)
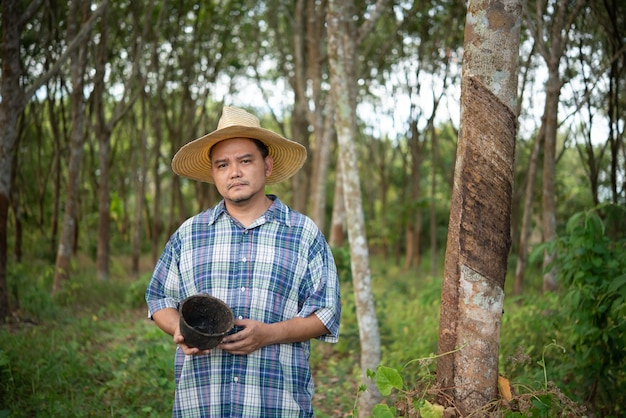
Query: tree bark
(414, 221)
(139, 187)
(157, 223)
(11, 106)
(553, 88)
(522, 251)
(103, 134)
(322, 117)
(56, 175)
(342, 58)
(551, 42)
(321, 165)
(14, 98)
(69, 229)
(479, 230)
(337, 224)
(105, 127)
(299, 124)
(431, 206)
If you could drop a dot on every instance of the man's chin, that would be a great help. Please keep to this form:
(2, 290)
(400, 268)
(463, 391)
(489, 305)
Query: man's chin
(237, 199)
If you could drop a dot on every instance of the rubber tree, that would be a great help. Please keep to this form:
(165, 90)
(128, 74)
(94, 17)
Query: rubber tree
(343, 39)
(479, 236)
(15, 95)
(550, 25)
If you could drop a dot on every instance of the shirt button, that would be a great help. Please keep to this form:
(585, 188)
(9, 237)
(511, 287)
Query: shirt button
(243, 289)
(236, 379)
(244, 259)
(240, 317)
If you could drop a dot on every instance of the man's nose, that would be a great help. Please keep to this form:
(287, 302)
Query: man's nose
(235, 170)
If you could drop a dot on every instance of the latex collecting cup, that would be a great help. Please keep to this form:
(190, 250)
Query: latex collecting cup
(204, 321)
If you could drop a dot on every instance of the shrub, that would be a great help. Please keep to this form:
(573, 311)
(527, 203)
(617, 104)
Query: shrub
(592, 273)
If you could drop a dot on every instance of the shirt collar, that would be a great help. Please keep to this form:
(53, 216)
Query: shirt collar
(278, 211)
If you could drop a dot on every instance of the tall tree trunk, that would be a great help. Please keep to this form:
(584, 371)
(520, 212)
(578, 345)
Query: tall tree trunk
(103, 134)
(157, 223)
(56, 176)
(156, 123)
(299, 122)
(414, 224)
(342, 58)
(322, 117)
(522, 251)
(432, 208)
(337, 223)
(69, 228)
(140, 190)
(300, 133)
(14, 98)
(11, 106)
(321, 166)
(551, 37)
(104, 205)
(17, 216)
(479, 230)
(553, 89)
(104, 127)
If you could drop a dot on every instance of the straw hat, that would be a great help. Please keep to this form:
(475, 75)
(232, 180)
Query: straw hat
(192, 160)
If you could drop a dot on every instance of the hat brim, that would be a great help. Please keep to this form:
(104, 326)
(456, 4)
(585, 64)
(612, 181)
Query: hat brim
(192, 160)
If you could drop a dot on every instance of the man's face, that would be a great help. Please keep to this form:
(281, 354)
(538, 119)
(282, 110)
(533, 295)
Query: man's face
(239, 170)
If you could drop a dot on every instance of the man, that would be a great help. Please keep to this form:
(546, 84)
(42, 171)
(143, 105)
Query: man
(270, 264)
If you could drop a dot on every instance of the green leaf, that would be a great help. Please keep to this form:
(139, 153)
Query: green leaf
(575, 221)
(431, 411)
(387, 379)
(618, 285)
(383, 411)
(542, 403)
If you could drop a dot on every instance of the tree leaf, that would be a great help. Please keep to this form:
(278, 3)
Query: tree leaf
(382, 411)
(431, 411)
(618, 285)
(387, 379)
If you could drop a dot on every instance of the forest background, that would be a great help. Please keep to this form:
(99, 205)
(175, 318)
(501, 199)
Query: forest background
(101, 95)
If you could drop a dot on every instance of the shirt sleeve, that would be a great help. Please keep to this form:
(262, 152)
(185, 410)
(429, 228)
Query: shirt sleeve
(325, 299)
(163, 289)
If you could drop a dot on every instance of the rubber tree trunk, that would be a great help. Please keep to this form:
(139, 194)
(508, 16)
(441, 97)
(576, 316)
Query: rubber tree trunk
(69, 229)
(341, 46)
(479, 236)
(522, 251)
(551, 30)
(11, 106)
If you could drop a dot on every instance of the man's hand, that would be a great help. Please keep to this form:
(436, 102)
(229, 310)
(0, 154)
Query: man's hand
(168, 320)
(253, 336)
(190, 351)
(256, 335)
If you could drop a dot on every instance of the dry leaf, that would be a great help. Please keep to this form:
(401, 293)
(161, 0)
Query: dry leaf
(505, 388)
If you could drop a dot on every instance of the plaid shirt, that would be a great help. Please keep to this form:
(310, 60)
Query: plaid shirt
(279, 268)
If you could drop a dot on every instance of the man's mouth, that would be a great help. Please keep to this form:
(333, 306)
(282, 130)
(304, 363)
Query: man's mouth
(238, 184)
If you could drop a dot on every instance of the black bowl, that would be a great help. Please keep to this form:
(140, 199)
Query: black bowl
(204, 320)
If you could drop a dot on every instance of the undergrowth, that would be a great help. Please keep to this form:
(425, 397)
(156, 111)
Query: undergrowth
(90, 350)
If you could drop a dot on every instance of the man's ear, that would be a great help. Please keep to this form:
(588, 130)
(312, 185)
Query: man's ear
(269, 165)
